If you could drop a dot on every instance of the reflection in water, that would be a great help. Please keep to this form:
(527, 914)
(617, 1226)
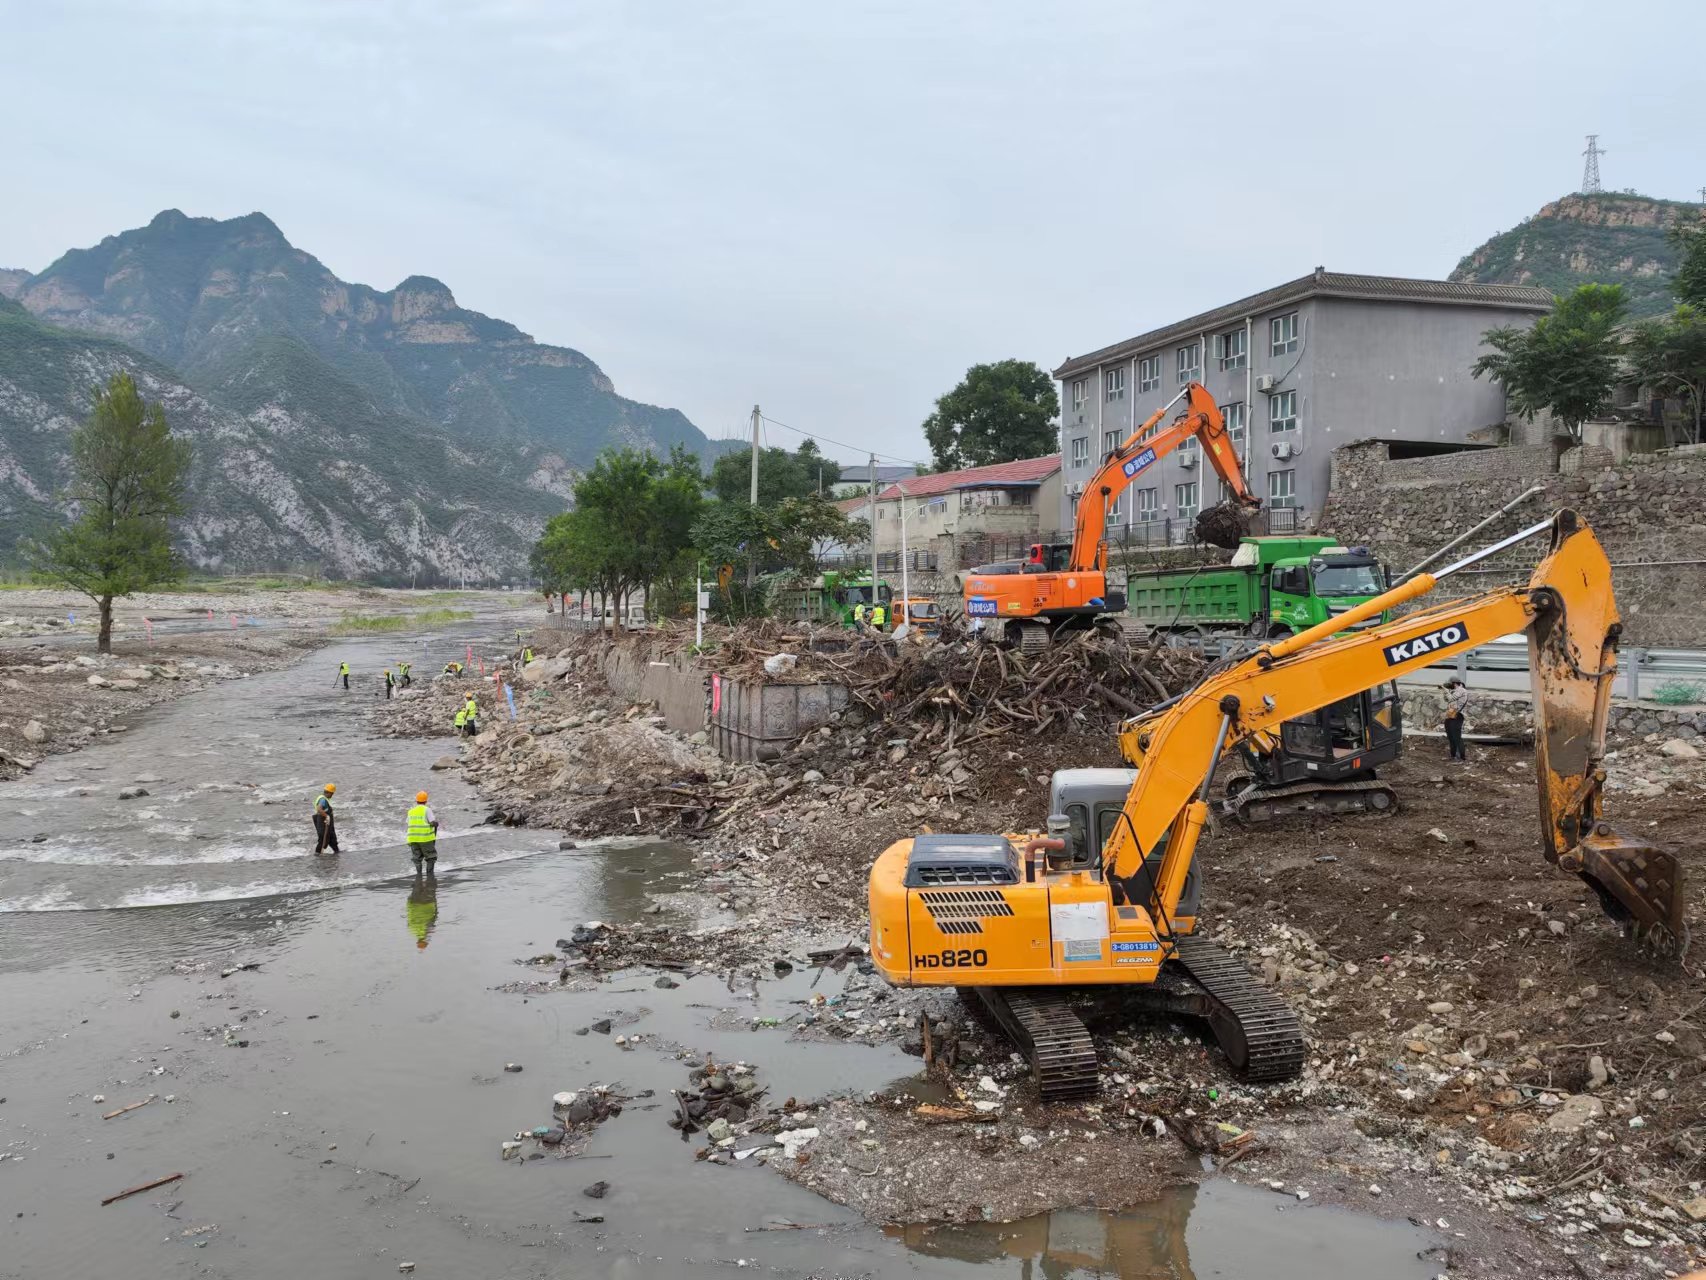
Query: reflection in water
(1220, 1228)
(423, 907)
(1147, 1241)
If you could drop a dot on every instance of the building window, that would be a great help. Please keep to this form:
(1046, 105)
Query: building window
(1110, 442)
(1018, 497)
(1282, 334)
(1185, 500)
(1115, 379)
(1233, 415)
(1190, 445)
(1225, 492)
(1229, 349)
(1080, 393)
(1080, 451)
(1148, 505)
(1072, 504)
(1282, 488)
(1149, 374)
(1190, 363)
(1282, 412)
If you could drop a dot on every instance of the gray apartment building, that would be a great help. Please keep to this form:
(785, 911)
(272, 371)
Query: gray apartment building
(1298, 370)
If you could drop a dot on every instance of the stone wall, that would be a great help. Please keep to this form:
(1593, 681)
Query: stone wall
(1492, 711)
(1649, 512)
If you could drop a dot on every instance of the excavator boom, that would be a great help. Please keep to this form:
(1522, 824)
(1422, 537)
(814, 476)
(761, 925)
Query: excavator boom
(1145, 447)
(1570, 617)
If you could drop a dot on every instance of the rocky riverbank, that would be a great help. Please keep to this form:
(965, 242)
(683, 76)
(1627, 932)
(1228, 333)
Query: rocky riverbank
(1484, 1048)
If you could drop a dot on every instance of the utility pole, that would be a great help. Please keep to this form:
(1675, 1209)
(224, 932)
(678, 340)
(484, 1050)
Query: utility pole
(871, 475)
(752, 552)
(1590, 170)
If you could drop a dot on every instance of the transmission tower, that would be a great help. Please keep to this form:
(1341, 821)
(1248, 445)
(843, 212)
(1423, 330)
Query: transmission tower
(1590, 171)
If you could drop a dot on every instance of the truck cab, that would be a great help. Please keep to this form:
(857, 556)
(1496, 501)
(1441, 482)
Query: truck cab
(1315, 582)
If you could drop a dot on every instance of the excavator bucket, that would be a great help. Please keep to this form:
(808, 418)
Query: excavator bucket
(1224, 525)
(1640, 887)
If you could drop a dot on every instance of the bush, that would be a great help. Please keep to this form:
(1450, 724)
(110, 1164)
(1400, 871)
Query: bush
(361, 623)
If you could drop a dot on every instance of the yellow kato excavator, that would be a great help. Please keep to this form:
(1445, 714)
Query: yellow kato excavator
(1017, 921)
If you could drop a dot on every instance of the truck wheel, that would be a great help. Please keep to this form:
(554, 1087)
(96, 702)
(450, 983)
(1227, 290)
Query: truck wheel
(1279, 632)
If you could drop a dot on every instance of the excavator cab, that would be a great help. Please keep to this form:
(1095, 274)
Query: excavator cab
(1048, 557)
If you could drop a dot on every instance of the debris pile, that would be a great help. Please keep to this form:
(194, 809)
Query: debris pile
(575, 1114)
(720, 1097)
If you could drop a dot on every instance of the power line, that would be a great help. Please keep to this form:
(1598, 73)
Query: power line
(842, 444)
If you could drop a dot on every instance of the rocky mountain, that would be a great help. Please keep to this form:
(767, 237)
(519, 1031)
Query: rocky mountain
(379, 432)
(294, 468)
(1603, 238)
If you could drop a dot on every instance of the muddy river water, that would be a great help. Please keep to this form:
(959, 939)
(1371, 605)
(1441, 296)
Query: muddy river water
(338, 1106)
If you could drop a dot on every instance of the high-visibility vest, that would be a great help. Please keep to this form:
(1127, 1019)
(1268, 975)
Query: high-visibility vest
(879, 616)
(343, 668)
(420, 830)
(461, 716)
(472, 708)
(526, 656)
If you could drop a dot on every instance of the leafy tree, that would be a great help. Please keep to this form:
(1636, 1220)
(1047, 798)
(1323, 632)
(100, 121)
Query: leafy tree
(1668, 354)
(999, 413)
(127, 477)
(781, 475)
(1566, 363)
(630, 529)
(1689, 282)
(736, 537)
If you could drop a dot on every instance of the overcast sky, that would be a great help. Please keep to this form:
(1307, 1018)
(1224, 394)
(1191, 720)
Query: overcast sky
(832, 209)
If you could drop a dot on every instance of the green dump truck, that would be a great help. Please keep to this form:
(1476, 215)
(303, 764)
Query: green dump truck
(829, 597)
(1272, 587)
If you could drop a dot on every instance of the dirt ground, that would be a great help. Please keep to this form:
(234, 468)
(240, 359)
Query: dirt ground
(1485, 1049)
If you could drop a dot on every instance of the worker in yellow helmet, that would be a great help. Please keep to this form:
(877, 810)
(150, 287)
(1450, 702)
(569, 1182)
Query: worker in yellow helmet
(423, 834)
(325, 822)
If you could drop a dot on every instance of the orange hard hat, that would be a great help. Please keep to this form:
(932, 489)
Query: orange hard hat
(420, 797)
(331, 787)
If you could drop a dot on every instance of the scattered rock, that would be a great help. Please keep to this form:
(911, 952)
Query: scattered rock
(512, 1067)
(666, 983)
(567, 844)
(34, 731)
(1677, 749)
(1574, 1113)
(719, 1130)
(98, 682)
(1598, 1076)
(780, 664)
(1556, 927)
(1030, 1141)
(596, 1190)
(793, 1140)
(602, 1026)
(446, 762)
(1441, 1006)
(1439, 835)
(132, 793)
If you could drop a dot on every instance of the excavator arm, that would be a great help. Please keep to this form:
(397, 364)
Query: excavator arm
(1570, 617)
(1200, 420)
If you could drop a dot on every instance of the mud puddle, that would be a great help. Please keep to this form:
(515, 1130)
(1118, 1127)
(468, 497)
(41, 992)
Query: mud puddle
(1218, 1229)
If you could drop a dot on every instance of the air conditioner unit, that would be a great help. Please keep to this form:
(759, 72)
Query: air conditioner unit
(1265, 382)
(1187, 459)
(1282, 450)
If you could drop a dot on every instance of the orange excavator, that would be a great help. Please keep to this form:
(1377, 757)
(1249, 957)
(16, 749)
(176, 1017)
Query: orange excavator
(1063, 586)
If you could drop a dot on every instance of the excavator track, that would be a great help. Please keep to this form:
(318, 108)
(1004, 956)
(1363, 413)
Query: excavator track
(1043, 1027)
(1257, 1031)
(1262, 804)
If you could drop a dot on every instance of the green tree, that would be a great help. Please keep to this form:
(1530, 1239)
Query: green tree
(630, 530)
(733, 537)
(1566, 363)
(1000, 412)
(781, 475)
(127, 478)
(1689, 282)
(1668, 354)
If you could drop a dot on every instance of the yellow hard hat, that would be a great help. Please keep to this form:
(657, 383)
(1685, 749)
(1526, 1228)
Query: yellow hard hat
(420, 797)
(420, 944)
(331, 787)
